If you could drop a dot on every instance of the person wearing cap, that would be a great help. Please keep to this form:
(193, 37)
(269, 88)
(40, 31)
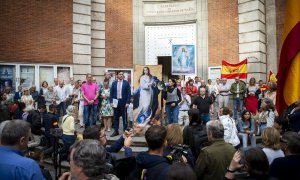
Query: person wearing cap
(68, 126)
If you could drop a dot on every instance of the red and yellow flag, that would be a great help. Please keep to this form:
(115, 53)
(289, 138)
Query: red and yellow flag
(272, 77)
(231, 71)
(288, 76)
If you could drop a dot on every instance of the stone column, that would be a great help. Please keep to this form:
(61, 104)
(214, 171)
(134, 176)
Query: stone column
(252, 37)
(271, 36)
(98, 38)
(81, 38)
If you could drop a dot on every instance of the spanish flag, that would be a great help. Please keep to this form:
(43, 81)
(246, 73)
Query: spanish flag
(288, 76)
(231, 71)
(272, 77)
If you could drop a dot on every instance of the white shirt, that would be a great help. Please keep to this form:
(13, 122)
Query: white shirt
(62, 93)
(186, 104)
(212, 88)
(119, 95)
(273, 154)
(230, 130)
(198, 84)
(223, 87)
(70, 88)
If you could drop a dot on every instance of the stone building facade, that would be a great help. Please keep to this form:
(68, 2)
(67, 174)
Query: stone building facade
(92, 36)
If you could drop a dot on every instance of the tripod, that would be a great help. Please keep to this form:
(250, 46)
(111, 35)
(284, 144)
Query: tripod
(56, 159)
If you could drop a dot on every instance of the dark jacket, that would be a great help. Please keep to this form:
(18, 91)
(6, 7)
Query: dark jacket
(286, 167)
(126, 93)
(34, 118)
(155, 167)
(195, 136)
(242, 89)
(17, 96)
(294, 120)
(50, 120)
(117, 146)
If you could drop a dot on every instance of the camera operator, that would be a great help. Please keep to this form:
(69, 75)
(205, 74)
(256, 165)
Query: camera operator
(124, 141)
(175, 149)
(120, 165)
(68, 127)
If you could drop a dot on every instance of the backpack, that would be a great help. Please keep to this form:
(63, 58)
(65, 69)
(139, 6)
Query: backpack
(119, 165)
(158, 172)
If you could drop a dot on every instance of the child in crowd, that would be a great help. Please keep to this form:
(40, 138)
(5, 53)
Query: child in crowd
(130, 113)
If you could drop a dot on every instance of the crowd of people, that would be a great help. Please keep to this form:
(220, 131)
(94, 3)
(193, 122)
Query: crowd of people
(201, 137)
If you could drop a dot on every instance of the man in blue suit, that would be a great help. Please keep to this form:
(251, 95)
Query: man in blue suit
(120, 93)
(18, 94)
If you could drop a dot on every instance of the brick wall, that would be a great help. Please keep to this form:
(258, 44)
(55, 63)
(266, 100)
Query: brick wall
(118, 34)
(223, 36)
(36, 31)
(280, 16)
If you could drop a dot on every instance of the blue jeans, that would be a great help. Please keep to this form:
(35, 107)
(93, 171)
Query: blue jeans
(68, 141)
(262, 127)
(244, 138)
(205, 118)
(237, 102)
(172, 113)
(86, 114)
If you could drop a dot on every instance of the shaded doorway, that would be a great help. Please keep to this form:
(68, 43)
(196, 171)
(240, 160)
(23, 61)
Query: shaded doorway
(165, 61)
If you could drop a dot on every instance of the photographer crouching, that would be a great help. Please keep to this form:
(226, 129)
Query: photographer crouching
(175, 148)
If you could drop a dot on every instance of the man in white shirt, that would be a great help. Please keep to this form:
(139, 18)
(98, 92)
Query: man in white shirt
(70, 88)
(62, 95)
(184, 107)
(223, 93)
(230, 130)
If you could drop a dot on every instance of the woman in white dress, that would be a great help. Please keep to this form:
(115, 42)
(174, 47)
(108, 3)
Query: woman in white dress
(145, 93)
(49, 97)
(27, 99)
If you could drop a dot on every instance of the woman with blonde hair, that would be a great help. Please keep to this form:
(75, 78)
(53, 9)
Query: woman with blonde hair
(175, 142)
(271, 143)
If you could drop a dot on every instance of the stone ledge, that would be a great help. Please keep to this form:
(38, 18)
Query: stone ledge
(250, 6)
(81, 29)
(252, 16)
(81, 19)
(81, 49)
(81, 9)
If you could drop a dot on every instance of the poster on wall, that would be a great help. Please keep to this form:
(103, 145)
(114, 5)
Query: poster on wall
(27, 76)
(146, 94)
(183, 60)
(47, 74)
(7, 77)
(63, 73)
(127, 74)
